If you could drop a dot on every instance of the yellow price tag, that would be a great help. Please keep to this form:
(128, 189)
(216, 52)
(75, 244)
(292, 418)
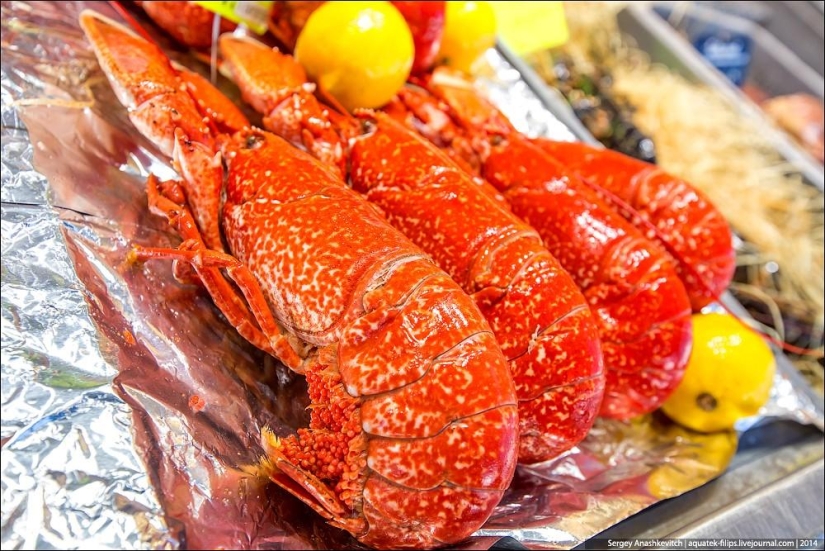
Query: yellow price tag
(252, 14)
(527, 27)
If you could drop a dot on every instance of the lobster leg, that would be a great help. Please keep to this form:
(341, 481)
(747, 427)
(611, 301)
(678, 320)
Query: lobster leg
(170, 190)
(259, 327)
(266, 335)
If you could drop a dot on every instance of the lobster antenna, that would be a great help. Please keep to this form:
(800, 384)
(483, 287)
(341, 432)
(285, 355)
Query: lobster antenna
(137, 27)
(613, 198)
(330, 100)
(213, 59)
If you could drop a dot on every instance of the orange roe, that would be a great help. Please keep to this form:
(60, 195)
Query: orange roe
(327, 449)
(128, 337)
(196, 403)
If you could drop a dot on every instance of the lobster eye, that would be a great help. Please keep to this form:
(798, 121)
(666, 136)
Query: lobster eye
(367, 126)
(253, 140)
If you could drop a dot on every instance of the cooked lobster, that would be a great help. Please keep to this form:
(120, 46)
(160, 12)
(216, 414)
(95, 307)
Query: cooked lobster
(539, 316)
(631, 285)
(683, 219)
(412, 438)
(186, 22)
(672, 211)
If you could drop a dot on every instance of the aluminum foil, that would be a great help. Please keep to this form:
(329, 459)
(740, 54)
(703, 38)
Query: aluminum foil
(131, 410)
(507, 89)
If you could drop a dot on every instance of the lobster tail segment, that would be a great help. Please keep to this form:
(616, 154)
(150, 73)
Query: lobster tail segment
(687, 223)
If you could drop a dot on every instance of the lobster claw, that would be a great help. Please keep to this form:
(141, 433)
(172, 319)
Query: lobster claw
(225, 115)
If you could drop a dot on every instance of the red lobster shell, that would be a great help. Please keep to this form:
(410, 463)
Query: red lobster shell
(689, 224)
(631, 285)
(412, 439)
(539, 316)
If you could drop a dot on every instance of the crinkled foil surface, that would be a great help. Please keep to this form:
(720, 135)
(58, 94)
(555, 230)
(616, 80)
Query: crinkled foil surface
(130, 407)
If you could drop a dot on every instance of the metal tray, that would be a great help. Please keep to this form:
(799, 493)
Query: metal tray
(801, 27)
(664, 45)
(774, 67)
(773, 487)
(798, 25)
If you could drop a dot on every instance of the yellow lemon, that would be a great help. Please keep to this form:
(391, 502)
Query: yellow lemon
(469, 30)
(359, 52)
(698, 459)
(729, 375)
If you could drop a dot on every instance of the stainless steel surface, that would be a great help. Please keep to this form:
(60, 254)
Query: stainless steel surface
(798, 25)
(653, 35)
(772, 511)
(773, 488)
(801, 27)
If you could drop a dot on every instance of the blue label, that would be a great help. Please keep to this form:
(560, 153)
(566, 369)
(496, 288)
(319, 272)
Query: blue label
(730, 54)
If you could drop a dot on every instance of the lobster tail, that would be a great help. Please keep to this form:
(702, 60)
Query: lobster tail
(550, 337)
(638, 300)
(539, 316)
(688, 224)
